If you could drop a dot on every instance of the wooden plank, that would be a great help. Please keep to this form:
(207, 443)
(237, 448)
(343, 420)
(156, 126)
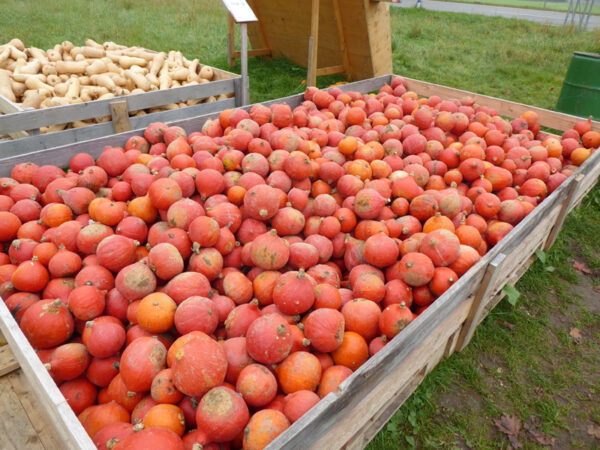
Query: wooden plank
(551, 119)
(380, 38)
(340, 28)
(7, 107)
(120, 116)
(231, 41)
(378, 421)
(76, 135)
(489, 279)
(97, 108)
(591, 170)
(44, 429)
(16, 430)
(330, 70)
(313, 44)
(8, 363)
(254, 52)
(49, 398)
(563, 212)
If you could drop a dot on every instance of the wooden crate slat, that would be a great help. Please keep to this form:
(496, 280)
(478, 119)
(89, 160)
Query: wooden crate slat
(49, 398)
(16, 429)
(28, 402)
(26, 120)
(104, 130)
(8, 107)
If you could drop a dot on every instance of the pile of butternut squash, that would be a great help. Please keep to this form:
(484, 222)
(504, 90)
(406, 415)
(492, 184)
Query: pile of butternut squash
(67, 74)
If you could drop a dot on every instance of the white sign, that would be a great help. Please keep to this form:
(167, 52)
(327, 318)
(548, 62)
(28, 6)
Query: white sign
(240, 10)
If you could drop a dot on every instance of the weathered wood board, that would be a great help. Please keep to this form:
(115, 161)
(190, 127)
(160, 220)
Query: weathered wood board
(14, 121)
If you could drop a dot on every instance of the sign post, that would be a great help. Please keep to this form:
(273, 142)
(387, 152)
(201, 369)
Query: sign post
(242, 14)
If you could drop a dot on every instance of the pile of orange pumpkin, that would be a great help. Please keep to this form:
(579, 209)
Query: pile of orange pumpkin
(209, 289)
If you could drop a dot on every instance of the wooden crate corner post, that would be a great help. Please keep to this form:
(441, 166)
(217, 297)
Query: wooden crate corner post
(240, 13)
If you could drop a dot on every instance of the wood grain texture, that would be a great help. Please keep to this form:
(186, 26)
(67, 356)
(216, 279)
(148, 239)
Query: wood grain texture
(49, 399)
(120, 116)
(8, 107)
(8, 363)
(45, 429)
(16, 430)
(477, 306)
(98, 108)
(77, 135)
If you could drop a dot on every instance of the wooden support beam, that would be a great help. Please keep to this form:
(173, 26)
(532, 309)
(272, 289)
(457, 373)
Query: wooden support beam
(566, 207)
(231, 41)
(245, 81)
(254, 52)
(313, 44)
(330, 70)
(340, 27)
(8, 107)
(120, 116)
(479, 302)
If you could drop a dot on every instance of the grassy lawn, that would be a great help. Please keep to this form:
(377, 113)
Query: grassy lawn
(529, 4)
(531, 368)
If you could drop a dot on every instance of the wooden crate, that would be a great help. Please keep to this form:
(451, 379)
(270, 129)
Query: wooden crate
(351, 416)
(366, 30)
(15, 120)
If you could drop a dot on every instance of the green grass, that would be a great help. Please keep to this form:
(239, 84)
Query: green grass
(511, 59)
(529, 4)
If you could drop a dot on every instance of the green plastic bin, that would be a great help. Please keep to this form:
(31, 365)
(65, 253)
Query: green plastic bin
(580, 94)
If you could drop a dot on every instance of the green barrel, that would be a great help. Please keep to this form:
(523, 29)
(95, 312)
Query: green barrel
(580, 93)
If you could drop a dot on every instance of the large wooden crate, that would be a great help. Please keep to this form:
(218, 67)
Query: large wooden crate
(351, 416)
(23, 125)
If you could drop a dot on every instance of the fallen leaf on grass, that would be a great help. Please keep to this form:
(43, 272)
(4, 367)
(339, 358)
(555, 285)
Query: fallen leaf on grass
(504, 324)
(531, 425)
(575, 333)
(538, 390)
(594, 430)
(581, 267)
(510, 425)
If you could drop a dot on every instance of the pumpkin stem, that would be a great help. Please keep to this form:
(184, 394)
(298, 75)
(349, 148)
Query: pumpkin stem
(305, 342)
(196, 247)
(57, 303)
(301, 273)
(138, 427)
(48, 366)
(281, 329)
